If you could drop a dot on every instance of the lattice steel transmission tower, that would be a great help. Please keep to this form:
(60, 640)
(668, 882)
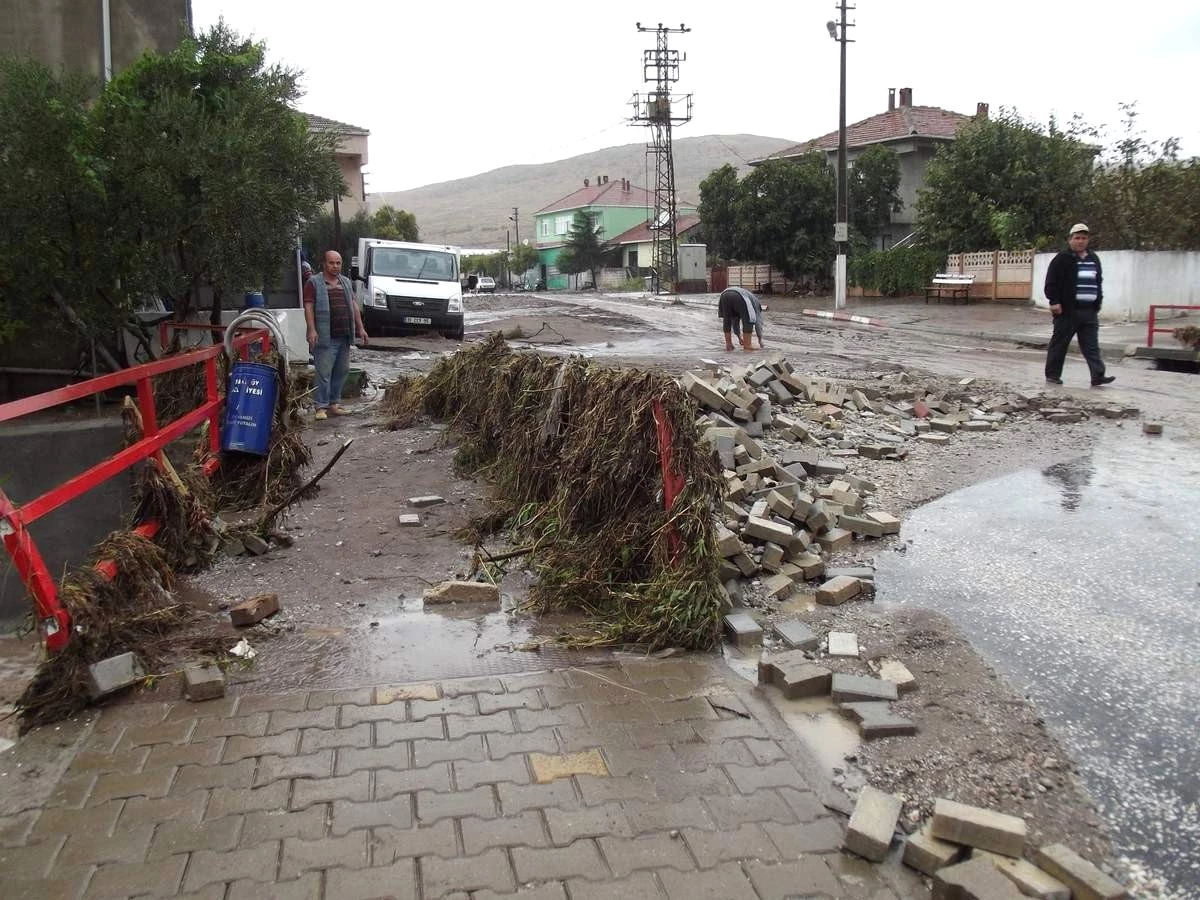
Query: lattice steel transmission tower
(660, 111)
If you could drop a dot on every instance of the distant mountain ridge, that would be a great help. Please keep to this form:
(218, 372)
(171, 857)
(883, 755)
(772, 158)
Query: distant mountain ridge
(473, 212)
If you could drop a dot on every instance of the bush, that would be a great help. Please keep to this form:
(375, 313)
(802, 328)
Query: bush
(896, 273)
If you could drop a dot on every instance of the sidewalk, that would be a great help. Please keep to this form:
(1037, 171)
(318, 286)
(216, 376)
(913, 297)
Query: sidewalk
(671, 779)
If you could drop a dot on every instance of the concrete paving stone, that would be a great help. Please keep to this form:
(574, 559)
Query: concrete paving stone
(805, 805)
(227, 775)
(197, 753)
(748, 779)
(597, 790)
(348, 815)
(251, 704)
(31, 861)
(174, 732)
(567, 825)
(130, 715)
(672, 786)
(457, 687)
(306, 887)
(383, 712)
(203, 683)
(636, 713)
(227, 801)
(114, 673)
(578, 860)
(533, 719)
(670, 733)
(487, 870)
(612, 674)
(638, 886)
(493, 703)
(651, 815)
(428, 752)
(446, 706)
(313, 739)
(355, 759)
(307, 791)
(427, 729)
(238, 748)
(597, 692)
(549, 891)
(1084, 879)
(724, 729)
(310, 765)
(283, 720)
(762, 751)
(397, 881)
(927, 854)
(648, 851)
(978, 827)
(501, 745)
(497, 722)
(796, 634)
(512, 769)
(838, 590)
(876, 720)
(73, 791)
(348, 851)
(872, 824)
(390, 783)
(861, 689)
(515, 798)
(390, 844)
(823, 835)
(67, 884)
(524, 830)
(737, 809)
(976, 879)
(726, 882)
(747, 841)
(843, 643)
(147, 783)
(275, 825)
(152, 811)
(254, 725)
(694, 756)
(210, 866)
(627, 760)
(127, 879)
(691, 708)
(184, 837)
(101, 818)
(809, 877)
(551, 767)
(131, 760)
(898, 674)
(479, 801)
(352, 697)
(743, 631)
(1029, 879)
(396, 694)
(668, 689)
(805, 679)
(525, 680)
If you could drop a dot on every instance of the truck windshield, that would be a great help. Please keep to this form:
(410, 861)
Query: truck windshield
(400, 262)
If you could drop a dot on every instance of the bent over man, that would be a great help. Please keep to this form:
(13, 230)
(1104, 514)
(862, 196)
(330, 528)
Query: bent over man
(738, 310)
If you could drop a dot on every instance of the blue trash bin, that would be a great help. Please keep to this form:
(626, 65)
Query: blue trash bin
(254, 300)
(250, 408)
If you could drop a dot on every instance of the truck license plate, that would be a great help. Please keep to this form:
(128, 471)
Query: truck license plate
(417, 320)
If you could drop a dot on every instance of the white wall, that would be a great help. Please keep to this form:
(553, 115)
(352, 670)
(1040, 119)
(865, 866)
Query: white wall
(1135, 279)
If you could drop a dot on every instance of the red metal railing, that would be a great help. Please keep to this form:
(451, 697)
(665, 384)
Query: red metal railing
(53, 618)
(1151, 330)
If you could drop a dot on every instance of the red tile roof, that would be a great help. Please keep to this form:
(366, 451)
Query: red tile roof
(893, 125)
(610, 193)
(320, 123)
(641, 232)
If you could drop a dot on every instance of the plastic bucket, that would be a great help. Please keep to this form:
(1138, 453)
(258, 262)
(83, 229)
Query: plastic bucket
(249, 408)
(254, 300)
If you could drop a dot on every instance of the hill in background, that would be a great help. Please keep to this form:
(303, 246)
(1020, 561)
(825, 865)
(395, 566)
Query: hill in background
(473, 212)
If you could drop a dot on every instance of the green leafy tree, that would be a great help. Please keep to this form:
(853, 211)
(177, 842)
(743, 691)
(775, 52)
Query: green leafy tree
(719, 194)
(784, 215)
(1005, 182)
(521, 259)
(214, 166)
(319, 236)
(873, 188)
(395, 224)
(583, 250)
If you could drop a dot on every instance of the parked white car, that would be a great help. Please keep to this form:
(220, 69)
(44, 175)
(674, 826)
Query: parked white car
(487, 284)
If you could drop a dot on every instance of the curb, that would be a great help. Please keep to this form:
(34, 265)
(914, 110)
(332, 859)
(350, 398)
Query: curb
(843, 317)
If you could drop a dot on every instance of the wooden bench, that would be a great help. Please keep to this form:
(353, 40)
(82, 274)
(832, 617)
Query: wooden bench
(950, 287)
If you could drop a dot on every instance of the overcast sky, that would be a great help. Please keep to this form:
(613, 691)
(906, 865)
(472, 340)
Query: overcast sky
(459, 87)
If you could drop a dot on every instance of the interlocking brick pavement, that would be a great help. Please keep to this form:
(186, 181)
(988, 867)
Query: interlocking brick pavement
(694, 788)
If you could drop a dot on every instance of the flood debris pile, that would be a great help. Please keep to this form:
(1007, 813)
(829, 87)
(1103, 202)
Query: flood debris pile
(572, 452)
(969, 851)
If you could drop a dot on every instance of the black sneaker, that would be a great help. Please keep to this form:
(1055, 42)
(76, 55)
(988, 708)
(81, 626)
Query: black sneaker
(1107, 379)
(1050, 380)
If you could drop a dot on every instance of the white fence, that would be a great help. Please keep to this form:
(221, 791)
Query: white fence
(1135, 279)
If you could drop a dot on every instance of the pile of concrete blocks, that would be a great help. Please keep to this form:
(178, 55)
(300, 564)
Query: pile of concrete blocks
(864, 699)
(972, 852)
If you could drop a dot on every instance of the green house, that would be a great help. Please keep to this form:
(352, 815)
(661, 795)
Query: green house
(616, 206)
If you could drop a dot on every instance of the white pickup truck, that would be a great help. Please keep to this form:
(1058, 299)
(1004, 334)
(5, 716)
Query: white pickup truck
(404, 287)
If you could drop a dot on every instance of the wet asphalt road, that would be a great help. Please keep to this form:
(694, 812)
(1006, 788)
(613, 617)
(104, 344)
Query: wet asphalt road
(1081, 583)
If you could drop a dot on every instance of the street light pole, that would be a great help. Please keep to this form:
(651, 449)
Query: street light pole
(841, 227)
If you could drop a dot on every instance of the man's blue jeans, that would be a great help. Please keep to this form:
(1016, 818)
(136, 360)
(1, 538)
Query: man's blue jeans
(332, 363)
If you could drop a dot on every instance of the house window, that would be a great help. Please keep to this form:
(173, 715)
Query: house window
(633, 259)
(562, 224)
(544, 228)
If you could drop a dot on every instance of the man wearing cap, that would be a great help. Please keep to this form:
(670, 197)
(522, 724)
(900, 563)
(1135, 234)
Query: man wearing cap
(1075, 289)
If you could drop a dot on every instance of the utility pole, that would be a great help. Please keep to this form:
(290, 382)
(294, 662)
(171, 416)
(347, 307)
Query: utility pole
(516, 220)
(660, 67)
(841, 227)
